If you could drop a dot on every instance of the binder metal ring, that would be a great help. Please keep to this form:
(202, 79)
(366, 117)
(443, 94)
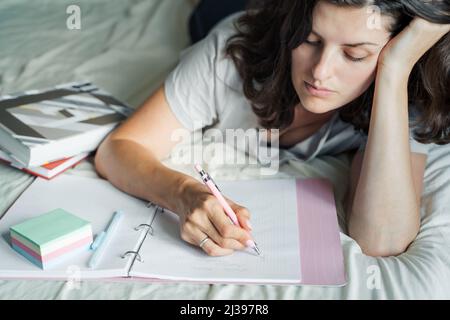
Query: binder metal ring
(139, 227)
(150, 204)
(137, 255)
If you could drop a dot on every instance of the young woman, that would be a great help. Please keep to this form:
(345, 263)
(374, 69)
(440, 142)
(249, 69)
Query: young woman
(333, 76)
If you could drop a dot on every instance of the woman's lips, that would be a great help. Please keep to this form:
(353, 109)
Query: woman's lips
(322, 93)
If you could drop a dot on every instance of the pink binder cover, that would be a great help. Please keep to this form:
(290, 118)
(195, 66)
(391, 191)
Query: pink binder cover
(322, 260)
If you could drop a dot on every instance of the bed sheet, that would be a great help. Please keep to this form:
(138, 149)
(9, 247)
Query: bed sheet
(127, 48)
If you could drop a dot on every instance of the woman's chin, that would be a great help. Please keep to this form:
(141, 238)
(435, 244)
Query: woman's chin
(320, 105)
(317, 106)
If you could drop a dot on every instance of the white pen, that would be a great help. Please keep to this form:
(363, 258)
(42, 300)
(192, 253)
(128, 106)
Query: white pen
(105, 239)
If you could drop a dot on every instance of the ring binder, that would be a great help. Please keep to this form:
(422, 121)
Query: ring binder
(311, 257)
(154, 216)
(136, 254)
(149, 231)
(149, 204)
(150, 228)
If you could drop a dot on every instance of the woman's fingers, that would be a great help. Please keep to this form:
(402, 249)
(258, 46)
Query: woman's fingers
(193, 235)
(226, 243)
(207, 218)
(225, 226)
(242, 214)
(406, 48)
(211, 248)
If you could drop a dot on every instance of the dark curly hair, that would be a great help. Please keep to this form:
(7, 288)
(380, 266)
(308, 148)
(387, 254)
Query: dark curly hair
(270, 29)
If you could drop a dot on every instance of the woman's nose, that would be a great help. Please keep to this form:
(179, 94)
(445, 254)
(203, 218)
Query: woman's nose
(322, 70)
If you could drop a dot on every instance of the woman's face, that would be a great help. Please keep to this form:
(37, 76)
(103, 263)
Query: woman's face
(338, 61)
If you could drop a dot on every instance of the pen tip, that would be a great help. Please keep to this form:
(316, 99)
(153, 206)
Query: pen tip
(198, 167)
(257, 250)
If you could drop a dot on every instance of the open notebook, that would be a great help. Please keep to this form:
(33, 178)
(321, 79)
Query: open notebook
(294, 223)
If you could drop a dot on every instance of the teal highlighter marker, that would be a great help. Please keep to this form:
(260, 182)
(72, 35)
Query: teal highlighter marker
(103, 239)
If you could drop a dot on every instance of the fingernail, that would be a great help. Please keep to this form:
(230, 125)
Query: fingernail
(249, 225)
(250, 243)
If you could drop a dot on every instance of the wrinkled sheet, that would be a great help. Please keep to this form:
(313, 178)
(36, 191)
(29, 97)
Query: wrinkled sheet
(127, 48)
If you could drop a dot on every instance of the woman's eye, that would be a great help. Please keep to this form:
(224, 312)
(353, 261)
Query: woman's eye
(313, 43)
(354, 59)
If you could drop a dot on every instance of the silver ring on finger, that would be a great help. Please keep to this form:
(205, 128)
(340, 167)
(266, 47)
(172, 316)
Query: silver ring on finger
(202, 243)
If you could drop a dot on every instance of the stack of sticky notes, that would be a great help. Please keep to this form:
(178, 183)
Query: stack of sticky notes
(51, 237)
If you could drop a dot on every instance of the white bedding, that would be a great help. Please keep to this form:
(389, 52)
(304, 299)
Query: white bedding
(127, 47)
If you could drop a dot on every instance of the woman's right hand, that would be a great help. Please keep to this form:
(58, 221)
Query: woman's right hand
(201, 215)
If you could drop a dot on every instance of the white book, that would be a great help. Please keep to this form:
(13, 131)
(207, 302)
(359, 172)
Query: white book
(43, 126)
(48, 170)
(147, 245)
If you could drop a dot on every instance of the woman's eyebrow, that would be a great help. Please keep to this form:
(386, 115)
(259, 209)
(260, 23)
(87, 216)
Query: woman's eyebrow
(350, 44)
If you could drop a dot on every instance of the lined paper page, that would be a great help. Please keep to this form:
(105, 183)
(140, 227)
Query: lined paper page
(272, 204)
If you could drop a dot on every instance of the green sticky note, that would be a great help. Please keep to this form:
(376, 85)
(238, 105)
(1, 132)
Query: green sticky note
(49, 226)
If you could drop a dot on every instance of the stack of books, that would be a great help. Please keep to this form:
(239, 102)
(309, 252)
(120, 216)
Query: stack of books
(47, 170)
(45, 132)
(51, 238)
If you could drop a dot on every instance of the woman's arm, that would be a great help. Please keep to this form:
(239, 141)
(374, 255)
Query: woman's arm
(418, 164)
(384, 214)
(130, 158)
(384, 217)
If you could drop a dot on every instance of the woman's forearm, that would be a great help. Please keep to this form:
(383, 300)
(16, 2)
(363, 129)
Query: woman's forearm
(384, 217)
(132, 168)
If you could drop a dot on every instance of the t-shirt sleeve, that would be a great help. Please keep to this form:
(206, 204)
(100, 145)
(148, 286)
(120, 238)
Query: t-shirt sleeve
(190, 87)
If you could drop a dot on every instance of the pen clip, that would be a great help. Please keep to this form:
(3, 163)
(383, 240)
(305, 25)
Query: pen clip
(206, 177)
(214, 182)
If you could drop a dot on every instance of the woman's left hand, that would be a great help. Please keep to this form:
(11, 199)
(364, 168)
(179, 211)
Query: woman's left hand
(404, 50)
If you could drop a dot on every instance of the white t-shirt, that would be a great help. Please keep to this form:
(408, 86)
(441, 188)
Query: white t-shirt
(205, 90)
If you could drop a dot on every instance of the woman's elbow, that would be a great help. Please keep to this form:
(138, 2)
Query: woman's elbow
(100, 156)
(384, 248)
(383, 251)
